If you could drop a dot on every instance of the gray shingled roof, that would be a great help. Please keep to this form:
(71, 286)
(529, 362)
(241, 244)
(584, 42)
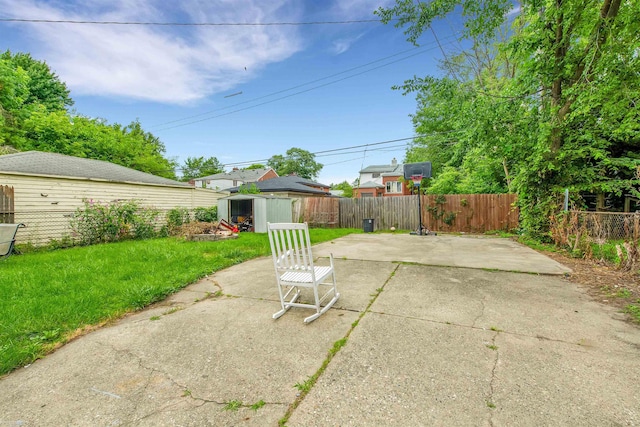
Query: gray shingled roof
(286, 183)
(245, 175)
(370, 184)
(60, 165)
(383, 169)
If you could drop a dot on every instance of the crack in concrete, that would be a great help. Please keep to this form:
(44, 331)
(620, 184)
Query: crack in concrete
(479, 316)
(515, 334)
(490, 402)
(335, 350)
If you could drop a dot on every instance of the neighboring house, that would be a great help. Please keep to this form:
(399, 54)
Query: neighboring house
(382, 181)
(235, 178)
(289, 186)
(49, 187)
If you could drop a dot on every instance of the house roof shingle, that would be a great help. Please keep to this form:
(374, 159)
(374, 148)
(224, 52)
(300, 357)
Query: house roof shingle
(370, 184)
(287, 183)
(384, 169)
(60, 165)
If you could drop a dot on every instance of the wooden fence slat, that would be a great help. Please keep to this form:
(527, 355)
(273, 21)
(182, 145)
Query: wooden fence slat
(7, 212)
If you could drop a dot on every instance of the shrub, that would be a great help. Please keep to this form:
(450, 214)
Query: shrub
(97, 222)
(176, 217)
(209, 214)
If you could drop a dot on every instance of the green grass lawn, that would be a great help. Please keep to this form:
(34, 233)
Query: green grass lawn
(46, 297)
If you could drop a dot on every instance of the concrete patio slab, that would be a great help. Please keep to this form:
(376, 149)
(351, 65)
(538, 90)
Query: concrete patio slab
(489, 253)
(437, 346)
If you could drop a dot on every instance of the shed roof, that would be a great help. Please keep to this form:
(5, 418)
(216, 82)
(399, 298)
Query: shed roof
(60, 165)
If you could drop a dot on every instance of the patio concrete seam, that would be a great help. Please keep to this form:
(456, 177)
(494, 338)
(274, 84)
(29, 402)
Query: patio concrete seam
(334, 351)
(490, 403)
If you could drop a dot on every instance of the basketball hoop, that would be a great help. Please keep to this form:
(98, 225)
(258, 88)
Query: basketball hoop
(417, 179)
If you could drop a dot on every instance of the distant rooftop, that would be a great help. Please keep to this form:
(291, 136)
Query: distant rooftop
(60, 165)
(245, 175)
(392, 168)
(287, 183)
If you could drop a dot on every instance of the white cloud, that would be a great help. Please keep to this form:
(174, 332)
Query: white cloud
(358, 9)
(157, 63)
(340, 46)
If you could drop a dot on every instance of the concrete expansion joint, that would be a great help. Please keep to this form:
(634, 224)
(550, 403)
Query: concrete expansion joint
(337, 347)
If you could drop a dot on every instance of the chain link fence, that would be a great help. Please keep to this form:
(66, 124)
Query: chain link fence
(605, 226)
(598, 227)
(45, 227)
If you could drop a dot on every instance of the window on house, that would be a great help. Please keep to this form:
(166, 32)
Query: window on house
(375, 175)
(394, 187)
(366, 195)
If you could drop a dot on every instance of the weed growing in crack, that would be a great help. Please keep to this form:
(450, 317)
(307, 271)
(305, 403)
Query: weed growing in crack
(233, 405)
(154, 318)
(491, 346)
(337, 346)
(186, 393)
(259, 404)
(491, 404)
(495, 329)
(172, 310)
(305, 386)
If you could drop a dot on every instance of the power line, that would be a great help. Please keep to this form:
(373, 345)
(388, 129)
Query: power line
(287, 96)
(190, 24)
(285, 90)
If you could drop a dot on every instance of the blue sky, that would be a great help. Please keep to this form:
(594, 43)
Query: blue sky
(177, 79)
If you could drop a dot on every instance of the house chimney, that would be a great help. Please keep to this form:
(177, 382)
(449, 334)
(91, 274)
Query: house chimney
(394, 162)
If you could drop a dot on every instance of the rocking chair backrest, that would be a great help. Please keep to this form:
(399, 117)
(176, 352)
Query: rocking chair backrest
(291, 247)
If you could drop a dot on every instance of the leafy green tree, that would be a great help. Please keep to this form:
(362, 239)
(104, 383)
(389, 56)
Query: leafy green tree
(297, 161)
(347, 189)
(249, 189)
(196, 167)
(44, 86)
(33, 116)
(563, 117)
(255, 166)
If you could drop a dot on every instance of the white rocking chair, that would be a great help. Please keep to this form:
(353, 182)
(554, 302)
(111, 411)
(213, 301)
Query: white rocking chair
(293, 262)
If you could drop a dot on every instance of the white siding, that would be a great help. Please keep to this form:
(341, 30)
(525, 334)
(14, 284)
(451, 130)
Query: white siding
(42, 201)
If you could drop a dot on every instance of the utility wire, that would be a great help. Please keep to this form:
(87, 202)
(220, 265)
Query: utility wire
(286, 90)
(190, 24)
(292, 94)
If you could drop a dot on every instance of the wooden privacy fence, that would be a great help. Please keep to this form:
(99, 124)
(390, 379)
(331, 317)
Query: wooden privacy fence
(6, 205)
(400, 212)
(318, 211)
(469, 213)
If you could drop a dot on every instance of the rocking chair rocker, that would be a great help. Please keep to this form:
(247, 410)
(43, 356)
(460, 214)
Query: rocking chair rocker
(293, 262)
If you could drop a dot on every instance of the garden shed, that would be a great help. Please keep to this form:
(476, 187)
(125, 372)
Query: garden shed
(257, 209)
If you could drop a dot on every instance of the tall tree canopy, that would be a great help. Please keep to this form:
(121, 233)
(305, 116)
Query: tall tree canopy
(550, 105)
(42, 85)
(33, 116)
(296, 161)
(196, 167)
